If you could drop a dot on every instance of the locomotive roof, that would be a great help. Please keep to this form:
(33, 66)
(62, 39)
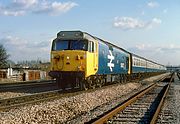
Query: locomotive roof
(74, 35)
(124, 50)
(108, 43)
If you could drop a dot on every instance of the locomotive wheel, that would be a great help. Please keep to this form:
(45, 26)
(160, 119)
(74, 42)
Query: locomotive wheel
(84, 85)
(99, 81)
(91, 82)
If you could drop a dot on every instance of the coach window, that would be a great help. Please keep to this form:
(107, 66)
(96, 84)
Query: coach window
(134, 61)
(144, 63)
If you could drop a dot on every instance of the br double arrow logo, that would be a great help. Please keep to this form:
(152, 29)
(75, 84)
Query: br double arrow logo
(111, 58)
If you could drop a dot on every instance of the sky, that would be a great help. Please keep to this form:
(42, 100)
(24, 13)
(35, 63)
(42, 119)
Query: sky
(148, 28)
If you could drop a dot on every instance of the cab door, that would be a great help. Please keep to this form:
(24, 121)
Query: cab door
(96, 56)
(92, 59)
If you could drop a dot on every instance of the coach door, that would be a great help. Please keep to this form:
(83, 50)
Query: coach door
(93, 50)
(129, 64)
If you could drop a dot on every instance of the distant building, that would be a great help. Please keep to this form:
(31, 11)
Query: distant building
(3, 74)
(25, 73)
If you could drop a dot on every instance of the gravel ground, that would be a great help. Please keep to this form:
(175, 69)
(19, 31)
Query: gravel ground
(59, 111)
(177, 103)
(151, 79)
(170, 113)
(99, 110)
(66, 109)
(6, 95)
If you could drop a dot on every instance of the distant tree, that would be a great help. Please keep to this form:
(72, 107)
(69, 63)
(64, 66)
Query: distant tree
(3, 57)
(11, 63)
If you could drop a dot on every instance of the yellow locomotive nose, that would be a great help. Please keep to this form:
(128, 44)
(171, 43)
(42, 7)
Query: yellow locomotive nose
(68, 60)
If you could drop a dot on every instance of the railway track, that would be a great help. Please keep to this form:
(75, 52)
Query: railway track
(142, 107)
(22, 100)
(29, 86)
(178, 75)
(6, 104)
(9, 103)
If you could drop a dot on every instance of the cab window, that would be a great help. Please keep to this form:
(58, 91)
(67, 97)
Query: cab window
(63, 45)
(78, 45)
(69, 45)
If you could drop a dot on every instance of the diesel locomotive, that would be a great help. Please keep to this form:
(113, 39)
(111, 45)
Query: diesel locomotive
(81, 60)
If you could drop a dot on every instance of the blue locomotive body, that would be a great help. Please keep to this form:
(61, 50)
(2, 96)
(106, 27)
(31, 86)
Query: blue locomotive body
(112, 60)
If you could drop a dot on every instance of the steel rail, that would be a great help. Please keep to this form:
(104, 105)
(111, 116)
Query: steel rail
(18, 86)
(129, 101)
(24, 82)
(155, 116)
(35, 98)
(40, 97)
(22, 100)
(106, 117)
(178, 74)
